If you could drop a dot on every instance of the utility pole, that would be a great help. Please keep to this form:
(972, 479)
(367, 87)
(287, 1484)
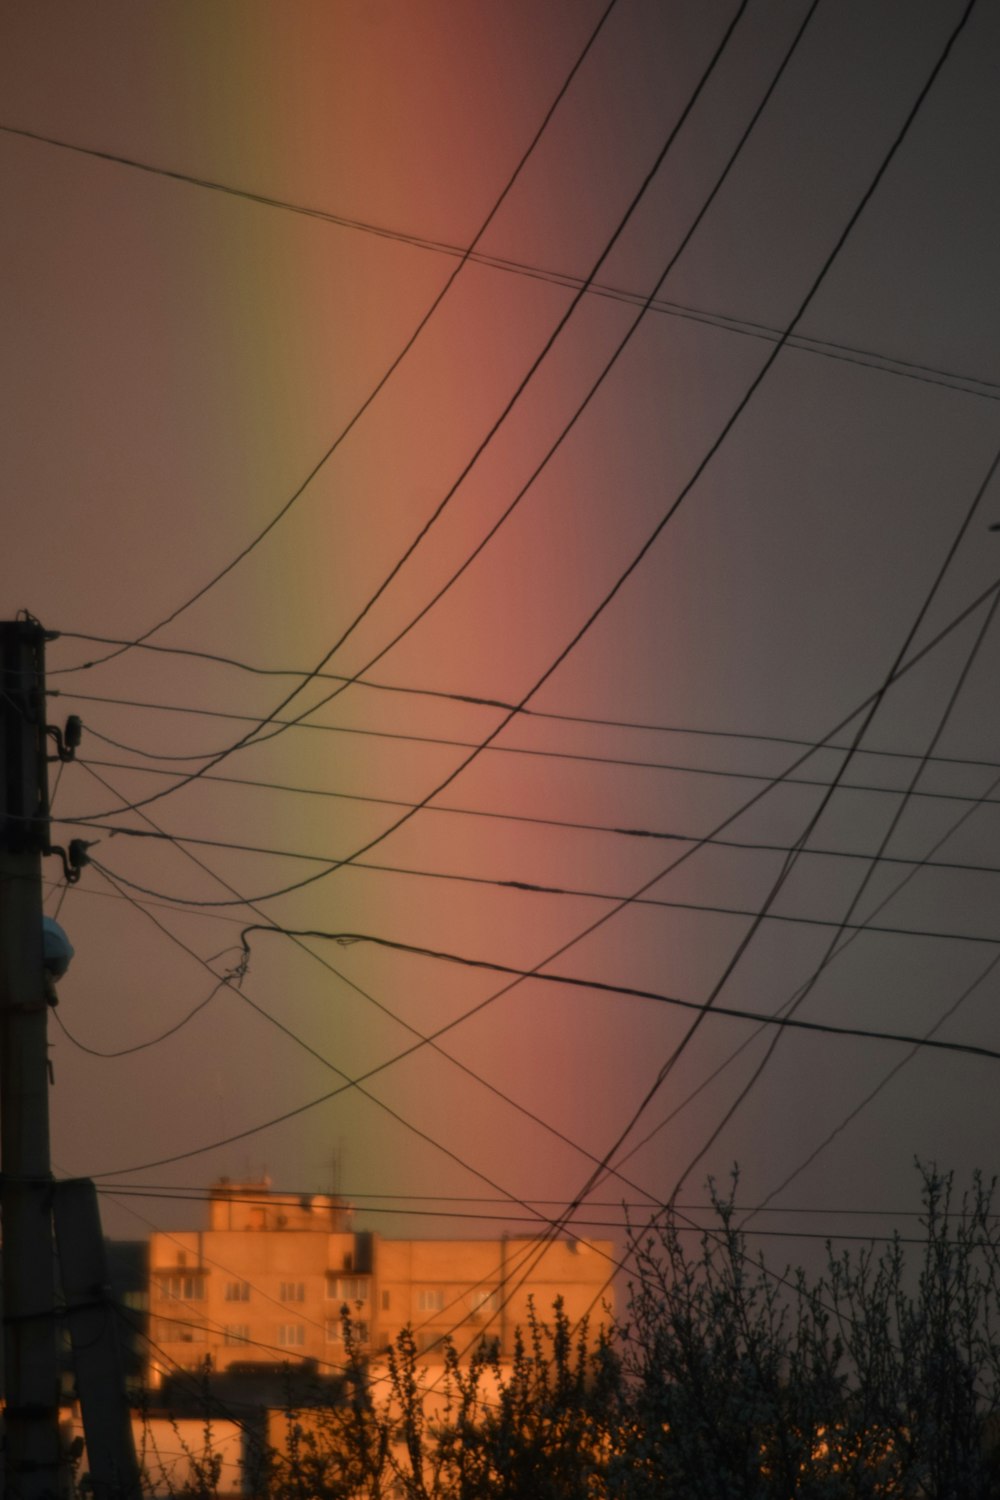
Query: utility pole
(93, 1328)
(31, 1374)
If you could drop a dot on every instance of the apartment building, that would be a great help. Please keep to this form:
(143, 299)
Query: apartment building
(269, 1277)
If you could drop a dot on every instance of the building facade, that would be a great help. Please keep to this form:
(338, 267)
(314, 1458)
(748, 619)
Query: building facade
(271, 1277)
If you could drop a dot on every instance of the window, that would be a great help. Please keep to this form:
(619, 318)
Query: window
(293, 1291)
(237, 1291)
(236, 1333)
(348, 1288)
(180, 1288)
(481, 1303)
(291, 1335)
(385, 1301)
(172, 1331)
(430, 1299)
(360, 1332)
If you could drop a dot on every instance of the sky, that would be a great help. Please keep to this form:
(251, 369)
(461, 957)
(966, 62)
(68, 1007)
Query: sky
(234, 435)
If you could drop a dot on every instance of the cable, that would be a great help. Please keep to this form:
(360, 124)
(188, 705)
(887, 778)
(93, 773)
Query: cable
(543, 754)
(489, 1000)
(877, 178)
(463, 698)
(873, 1093)
(356, 1083)
(564, 947)
(248, 738)
(186, 1194)
(699, 469)
(421, 1042)
(529, 888)
(939, 64)
(522, 1110)
(744, 845)
(606, 987)
(425, 319)
(824, 1235)
(770, 783)
(846, 923)
(498, 422)
(874, 359)
(348, 1084)
(139, 1046)
(793, 998)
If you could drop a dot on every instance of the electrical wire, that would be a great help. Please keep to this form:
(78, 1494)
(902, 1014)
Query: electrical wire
(872, 1093)
(700, 467)
(685, 730)
(397, 361)
(250, 737)
(534, 889)
(572, 981)
(140, 1046)
(867, 707)
(552, 1130)
(877, 177)
(200, 1194)
(564, 947)
(422, 1039)
(837, 952)
(573, 1206)
(846, 922)
(974, 385)
(493, 749)
(745, 846)
(522, 385)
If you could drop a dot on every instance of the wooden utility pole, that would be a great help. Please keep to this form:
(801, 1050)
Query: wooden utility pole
(31, 1375)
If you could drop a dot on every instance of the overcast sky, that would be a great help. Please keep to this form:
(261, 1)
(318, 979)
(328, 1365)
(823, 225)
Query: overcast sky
(180, 362)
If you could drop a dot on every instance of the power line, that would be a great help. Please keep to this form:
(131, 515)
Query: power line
(140, 1046)
(527, 888)
(874, 359)
(412, 808)
(523, 711)
(348, 1084)
(877, 699)
(846, 923)
(747, 845)
(623, 342)
(529, 750)
(695, 476)
(823, 1235)
(749, 393)
(467, 468)
(872, 1094)
(231, 983)
(632, 991)
(837, 952)
(422, 1041)
(186, 1194)
(487, 1218)
(556, 953)
(407, 346)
